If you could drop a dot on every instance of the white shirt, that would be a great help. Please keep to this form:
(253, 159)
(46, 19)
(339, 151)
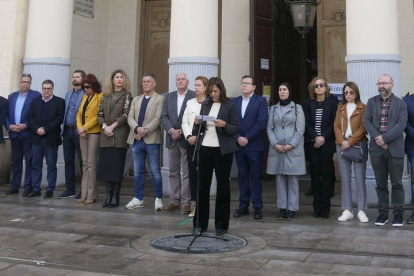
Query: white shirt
(180, 100)
(210, 135)
(350, 108)
(245, 103)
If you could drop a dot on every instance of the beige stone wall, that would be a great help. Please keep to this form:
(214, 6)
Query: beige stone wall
(235, 47)
(89, 50)
(13, 25)
(406, 36)
(107, 41)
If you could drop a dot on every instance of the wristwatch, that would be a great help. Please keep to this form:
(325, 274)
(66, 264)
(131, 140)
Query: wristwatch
(188, 136)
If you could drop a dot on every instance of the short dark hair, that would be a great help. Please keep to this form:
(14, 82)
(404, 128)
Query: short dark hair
(250, 77)
(26, 75)
(83, 74)
(93, 82)
(149, 75)
(220, 85)
(48, 82)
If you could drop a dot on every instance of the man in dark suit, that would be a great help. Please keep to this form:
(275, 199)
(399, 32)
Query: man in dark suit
(73, 100)
(19, 104)
(385, 120)
(45, 117)
(252, 112)
(171, 119)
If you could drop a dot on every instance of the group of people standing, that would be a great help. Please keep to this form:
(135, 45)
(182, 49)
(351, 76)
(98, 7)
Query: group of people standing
(104, 123)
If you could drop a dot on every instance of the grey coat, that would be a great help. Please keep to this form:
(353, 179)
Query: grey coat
(286, 130)
(397, 121)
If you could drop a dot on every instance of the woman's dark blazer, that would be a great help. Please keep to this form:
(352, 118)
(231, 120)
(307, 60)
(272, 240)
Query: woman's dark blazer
(328, 119)
(227, 113)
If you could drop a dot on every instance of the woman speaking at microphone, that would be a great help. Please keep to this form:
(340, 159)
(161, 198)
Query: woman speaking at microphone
(216, 153)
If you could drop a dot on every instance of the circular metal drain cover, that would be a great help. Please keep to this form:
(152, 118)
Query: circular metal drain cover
(201, 245)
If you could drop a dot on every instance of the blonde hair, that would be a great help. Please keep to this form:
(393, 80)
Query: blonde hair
(109, 85)
(311, 87)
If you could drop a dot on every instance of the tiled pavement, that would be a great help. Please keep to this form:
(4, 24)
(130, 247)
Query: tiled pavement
(61, 237)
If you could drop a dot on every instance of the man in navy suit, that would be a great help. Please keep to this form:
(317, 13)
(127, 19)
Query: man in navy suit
(73, 100)
(19, 132)
(252, 111)
(45, 117)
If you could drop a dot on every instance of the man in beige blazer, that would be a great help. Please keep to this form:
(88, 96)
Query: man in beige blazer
(145, 138)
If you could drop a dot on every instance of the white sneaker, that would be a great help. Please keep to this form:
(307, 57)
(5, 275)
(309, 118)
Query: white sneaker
(158, 204)
(134, 203)
(362, 216)
(346, 215)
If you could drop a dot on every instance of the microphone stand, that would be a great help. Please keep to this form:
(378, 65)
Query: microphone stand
(196, 234)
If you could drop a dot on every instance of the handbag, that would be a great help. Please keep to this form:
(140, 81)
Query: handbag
(357, 152)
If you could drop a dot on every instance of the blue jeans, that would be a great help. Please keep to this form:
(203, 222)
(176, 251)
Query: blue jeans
(139, 151)
(50, 153)
(411, 159)
(70, 146)
(21, 147)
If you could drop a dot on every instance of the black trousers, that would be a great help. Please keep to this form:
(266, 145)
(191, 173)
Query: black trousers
(192, 171)
(322, 175)
(211, 158)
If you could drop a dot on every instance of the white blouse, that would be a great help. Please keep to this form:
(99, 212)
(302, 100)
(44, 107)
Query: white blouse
(350, 108)
(210, 135)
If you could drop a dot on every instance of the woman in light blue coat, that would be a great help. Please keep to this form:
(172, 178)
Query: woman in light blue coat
(285, 130)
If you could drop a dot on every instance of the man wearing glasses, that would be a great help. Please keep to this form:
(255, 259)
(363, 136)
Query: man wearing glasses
(19, 132)
(385, 120)
(252, 111)
(45, 117)
(73, 100)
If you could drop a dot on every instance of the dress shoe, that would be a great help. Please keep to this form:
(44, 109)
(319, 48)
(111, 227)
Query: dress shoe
(309, 192)
(49, 194)
(115, 197)
(78, 196)
(282, 214)
(171, 207)
(34, 194)
(186, 208)
(258, 214)
(26, 193)
(221, 231)
(66, 194)
(12, 192)
(316, 215)
(241, 212)
(90, 201)
(291, 215)
(82, 200)
(325, 216)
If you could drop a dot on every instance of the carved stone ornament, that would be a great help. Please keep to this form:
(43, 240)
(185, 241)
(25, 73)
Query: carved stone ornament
(162, 21)
(338, 15)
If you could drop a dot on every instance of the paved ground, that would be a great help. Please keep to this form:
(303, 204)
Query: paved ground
(60, 237)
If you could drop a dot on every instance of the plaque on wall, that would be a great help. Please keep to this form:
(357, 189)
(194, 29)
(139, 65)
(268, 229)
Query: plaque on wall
(84, 8)
(264, 63)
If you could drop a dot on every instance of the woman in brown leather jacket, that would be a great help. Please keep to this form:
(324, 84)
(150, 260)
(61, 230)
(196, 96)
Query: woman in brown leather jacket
(349, 130)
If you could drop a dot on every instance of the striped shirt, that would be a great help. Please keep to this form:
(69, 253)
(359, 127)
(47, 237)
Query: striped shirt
(318, 121)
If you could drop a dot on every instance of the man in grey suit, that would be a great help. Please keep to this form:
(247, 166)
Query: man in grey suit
(385, 120)
(171, 118)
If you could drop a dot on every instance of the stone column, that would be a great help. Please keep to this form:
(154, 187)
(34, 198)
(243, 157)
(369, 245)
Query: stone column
(373, 50)
(193, 50)
(47, 55)
(48, 43)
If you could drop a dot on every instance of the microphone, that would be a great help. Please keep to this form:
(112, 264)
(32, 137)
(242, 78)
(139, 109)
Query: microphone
(206, 100)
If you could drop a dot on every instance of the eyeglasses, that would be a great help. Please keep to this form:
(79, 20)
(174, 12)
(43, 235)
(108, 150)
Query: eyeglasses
(349, 92)
(319, 85)
(245, 83)
(383, 83)
(87, 86)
